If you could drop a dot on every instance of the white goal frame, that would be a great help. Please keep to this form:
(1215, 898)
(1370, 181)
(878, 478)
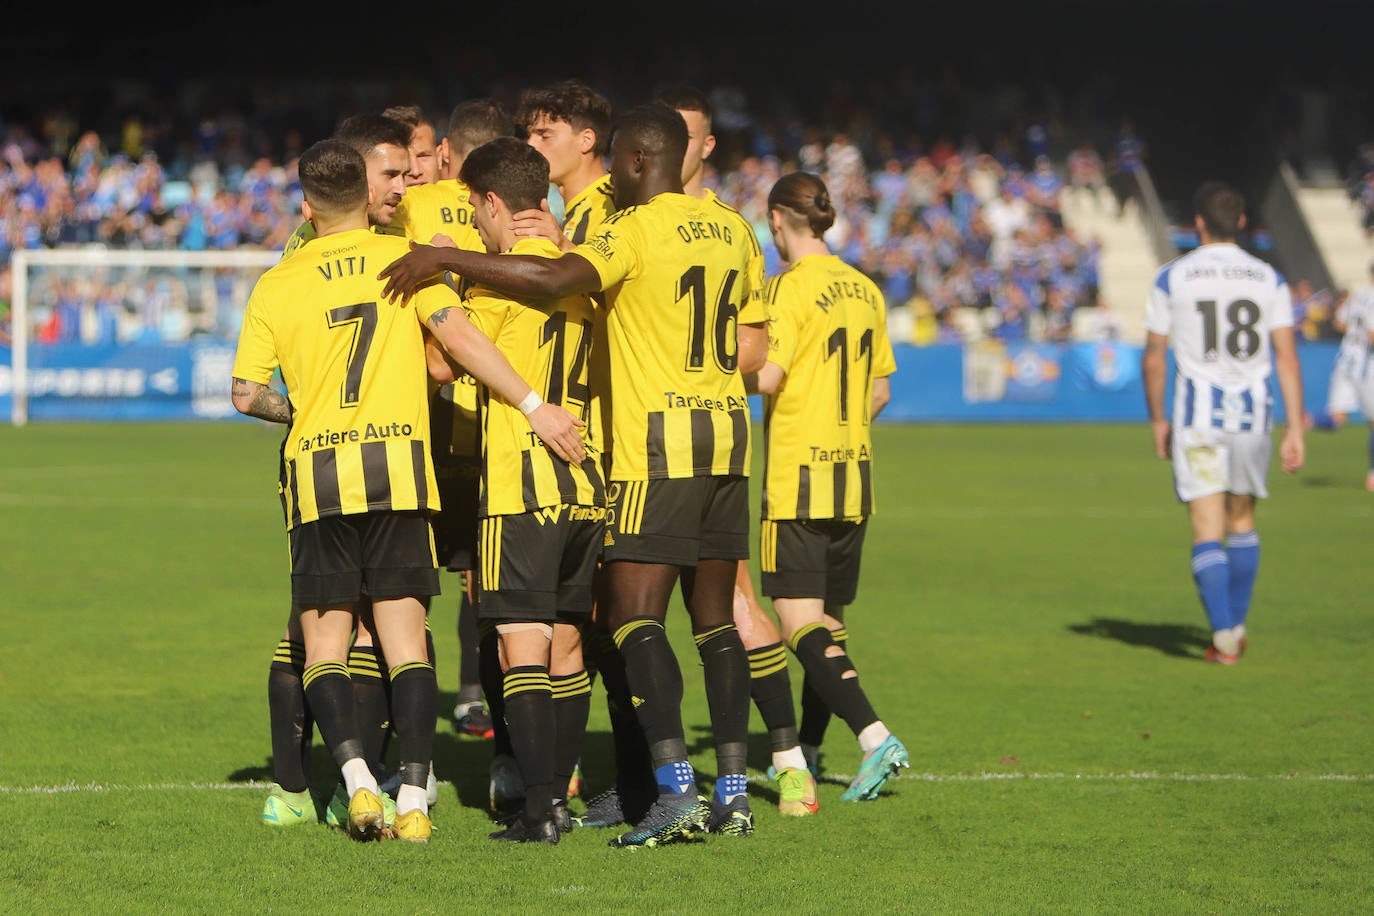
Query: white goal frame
(96, 257)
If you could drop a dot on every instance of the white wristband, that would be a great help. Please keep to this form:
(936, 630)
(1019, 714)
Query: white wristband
(531, 403)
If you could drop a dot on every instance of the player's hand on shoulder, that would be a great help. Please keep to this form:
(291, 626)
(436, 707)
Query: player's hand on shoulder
(403, 276)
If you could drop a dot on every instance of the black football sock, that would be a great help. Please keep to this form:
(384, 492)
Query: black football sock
(726, 676)
(329, 692)
(841, 693)
(415, 709)
(371, 704)
(572, 704)
(530, 715)
(289, 717)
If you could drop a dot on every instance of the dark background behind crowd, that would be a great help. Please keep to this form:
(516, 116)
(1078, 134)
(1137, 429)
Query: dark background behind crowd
(946, 133)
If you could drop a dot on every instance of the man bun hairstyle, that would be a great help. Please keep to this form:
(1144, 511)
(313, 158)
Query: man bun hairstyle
(806, 197)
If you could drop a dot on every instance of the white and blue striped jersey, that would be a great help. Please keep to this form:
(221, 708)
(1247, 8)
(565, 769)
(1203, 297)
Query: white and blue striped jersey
(1218, 304)
(1353, 359)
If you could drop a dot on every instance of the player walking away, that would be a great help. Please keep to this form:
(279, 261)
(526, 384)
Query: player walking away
(543, 521)
(825, 380)
(1352, 376)
(677, 287)
(359, 483)
(1228, 316)
(770, 684)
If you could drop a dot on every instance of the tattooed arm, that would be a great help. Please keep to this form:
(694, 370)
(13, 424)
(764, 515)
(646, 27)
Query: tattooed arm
(260, 401)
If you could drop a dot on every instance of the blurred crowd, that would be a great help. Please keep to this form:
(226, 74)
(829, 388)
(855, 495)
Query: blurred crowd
(947, 219)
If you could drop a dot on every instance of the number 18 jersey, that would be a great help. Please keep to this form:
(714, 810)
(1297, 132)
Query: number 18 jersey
(1218, 305)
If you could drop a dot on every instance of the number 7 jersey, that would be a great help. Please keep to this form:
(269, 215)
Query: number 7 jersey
(1218, 304)
(354, 368)
(827, 329)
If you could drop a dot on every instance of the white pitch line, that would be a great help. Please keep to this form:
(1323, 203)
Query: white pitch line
(828, 777)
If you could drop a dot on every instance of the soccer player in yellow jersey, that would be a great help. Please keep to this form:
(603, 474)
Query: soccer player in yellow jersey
(542, 520)
(678, 297)
(359, 485)
(424, 144)
(382, 143)
(440, 213)
(377, 138)
(825, 380)
(570, 123)
(770, 685)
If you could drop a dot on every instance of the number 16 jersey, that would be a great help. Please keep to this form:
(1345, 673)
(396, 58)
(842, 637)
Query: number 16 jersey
(680, 275)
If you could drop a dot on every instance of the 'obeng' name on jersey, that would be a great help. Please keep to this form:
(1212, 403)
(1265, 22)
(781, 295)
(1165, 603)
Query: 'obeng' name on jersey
(371, 433)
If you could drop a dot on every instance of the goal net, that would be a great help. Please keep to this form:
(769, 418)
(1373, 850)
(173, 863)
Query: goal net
(101, 334)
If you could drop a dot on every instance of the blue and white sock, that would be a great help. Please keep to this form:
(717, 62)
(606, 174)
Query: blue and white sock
(1242, 559)
(1213, 580)
(730, 786)
(676, 778)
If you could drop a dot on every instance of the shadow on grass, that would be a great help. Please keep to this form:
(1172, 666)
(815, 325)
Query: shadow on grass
(1176, 639)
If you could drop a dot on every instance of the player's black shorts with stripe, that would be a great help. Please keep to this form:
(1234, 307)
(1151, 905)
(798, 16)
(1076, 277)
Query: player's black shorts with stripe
(455, 527)
(678, 521)
(811, 558)
(339, 558)
(538, 565)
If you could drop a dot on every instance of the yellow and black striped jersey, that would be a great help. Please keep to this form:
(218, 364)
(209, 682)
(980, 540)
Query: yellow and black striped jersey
(547, 342)
(827, 329)
(583, 215)
(354, 368)
(676, 276)
(442, 207)
(305, 232)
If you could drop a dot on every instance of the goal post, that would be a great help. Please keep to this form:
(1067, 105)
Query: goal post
(113, 334)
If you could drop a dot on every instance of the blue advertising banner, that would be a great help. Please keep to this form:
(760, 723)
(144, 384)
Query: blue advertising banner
(984, 382)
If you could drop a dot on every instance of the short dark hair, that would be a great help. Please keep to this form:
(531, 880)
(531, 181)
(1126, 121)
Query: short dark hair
(685, 97)
(333, 176)
(410, 115)
(510, 167)
(807, 199)
(657, 128)
(475, 122)
(567, 100)
(366, 132)
(1221, 207)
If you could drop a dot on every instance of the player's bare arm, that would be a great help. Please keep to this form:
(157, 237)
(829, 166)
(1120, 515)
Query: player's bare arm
(768, 380)
(1153, 366)
(255, 400)
(555, 426)
(1292, 449)
(521, 276)
(882, 395)
(753, 347)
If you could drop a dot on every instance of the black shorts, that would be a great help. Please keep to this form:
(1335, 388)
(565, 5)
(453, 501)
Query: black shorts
(341, 558)
(455, 527)
(815, 558)
(539, 565)
(678, 521)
